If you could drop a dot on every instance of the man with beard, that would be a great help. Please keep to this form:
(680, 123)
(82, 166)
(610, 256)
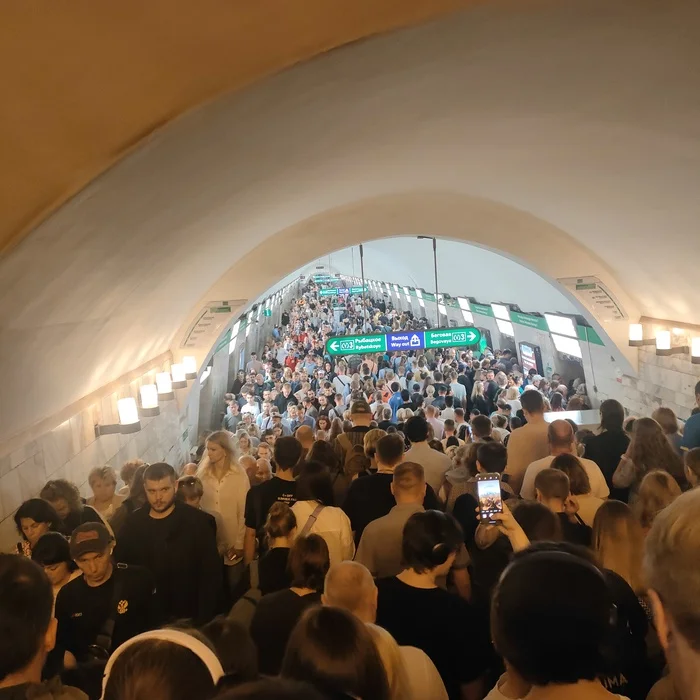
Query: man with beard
(177, 543)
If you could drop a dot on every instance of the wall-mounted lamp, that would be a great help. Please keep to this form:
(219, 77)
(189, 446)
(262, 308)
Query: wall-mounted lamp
(663, 345)
(695, 351)
(128, 420)
(164, 383)
(179, 376)
(189, 362)
(149, 400)
(636, 336)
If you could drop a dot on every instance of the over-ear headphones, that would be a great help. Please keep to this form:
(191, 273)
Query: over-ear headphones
(440, 554)
(201, 650)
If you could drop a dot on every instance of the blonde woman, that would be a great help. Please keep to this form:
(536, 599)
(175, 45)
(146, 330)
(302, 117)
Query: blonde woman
(105, 500)
(479, 399)
(410, 675)
(618, 542)
(244, 443)
(657, 490)
(225, 486)
(370, 445)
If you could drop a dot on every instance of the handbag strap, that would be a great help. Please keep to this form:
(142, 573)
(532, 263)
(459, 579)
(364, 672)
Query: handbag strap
(312, 519)
(104, 636)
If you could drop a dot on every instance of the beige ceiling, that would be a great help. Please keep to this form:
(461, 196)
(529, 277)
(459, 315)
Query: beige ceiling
(564, 134)
(83, 82)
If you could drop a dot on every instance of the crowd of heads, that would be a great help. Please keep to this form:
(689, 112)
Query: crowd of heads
(566, 583)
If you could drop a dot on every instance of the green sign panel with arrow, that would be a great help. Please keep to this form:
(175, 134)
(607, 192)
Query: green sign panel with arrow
(403, 340)
(451, 337)
(337, 291)
(355, 344)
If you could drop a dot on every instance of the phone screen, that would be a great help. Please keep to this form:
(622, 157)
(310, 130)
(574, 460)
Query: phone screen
(489, 491)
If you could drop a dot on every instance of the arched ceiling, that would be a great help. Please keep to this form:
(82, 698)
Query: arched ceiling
(566, 135)
(84, 82)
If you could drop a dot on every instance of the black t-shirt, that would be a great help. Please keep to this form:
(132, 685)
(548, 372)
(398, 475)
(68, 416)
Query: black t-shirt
(272, 570)
(82, 610)
(443, 625)
(261, 497)
(370, 498)
(575, 533)
(605, 450)
(275, 617)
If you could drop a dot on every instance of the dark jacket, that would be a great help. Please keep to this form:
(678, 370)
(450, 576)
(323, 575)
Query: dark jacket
(186, 566)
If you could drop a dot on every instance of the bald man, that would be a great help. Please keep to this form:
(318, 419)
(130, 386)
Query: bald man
(561, 440)
(350, 586)
(249, 463)
(305, 435)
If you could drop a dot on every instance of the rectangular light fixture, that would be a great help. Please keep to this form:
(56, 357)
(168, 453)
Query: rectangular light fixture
(164, 383)
(189, 362)
(663, 341)
(562, 325)
(129, 421)
(149, 400)
(128, 416)
(636, 333)
(695, 351)
(505, 327)
(566, 345)
(177, 372)
(501, 311)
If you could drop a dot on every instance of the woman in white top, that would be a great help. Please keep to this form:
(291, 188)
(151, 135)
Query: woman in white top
(512, 397)
(315, 512)
(225, 488)
(105, 500)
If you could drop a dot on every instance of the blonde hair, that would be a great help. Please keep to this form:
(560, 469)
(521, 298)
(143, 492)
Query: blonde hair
(657, 490)
(618, 541)
(223, 439)
(103, 473)
(392, 660)
(512, 393)
(372, 437)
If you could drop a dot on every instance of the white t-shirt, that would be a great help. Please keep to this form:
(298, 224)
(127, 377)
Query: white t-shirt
(599, 487)
(332, 524)
(423, 678)
(495, 693)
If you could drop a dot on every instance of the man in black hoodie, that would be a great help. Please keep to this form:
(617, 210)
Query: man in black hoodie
(177, 543)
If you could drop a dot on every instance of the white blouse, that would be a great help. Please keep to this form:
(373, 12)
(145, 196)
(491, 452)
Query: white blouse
(332, 524)
(227, 498)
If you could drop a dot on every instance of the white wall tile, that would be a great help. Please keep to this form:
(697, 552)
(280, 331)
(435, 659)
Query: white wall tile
(10, 493)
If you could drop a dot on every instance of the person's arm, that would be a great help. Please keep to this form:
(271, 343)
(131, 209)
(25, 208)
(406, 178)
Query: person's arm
(623, 477)
(527, 490)
(241, 500)
(347, 541)
(209, 571)
(460, 574)
(249, 545)
(365, 553)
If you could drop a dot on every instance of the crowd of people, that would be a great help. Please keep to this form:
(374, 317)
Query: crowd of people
(326, 542)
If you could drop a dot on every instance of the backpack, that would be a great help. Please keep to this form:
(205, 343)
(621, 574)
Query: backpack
(355, 461)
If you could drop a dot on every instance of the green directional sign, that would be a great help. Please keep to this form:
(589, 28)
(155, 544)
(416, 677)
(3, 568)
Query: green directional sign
(355, 344)
(337, 291)
(451, 337)
(267, 312)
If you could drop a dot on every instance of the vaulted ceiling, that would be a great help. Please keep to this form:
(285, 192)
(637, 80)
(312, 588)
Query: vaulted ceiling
(565, 134)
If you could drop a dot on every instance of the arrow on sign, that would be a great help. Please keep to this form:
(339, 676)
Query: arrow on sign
(334, 345)
(471, 336)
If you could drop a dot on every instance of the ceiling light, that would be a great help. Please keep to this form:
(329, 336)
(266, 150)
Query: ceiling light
(189, 362)
(164, 383)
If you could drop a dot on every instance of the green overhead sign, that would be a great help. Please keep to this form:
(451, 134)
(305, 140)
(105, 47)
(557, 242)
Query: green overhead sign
(267, 312)
(337, 291)
(403, 340)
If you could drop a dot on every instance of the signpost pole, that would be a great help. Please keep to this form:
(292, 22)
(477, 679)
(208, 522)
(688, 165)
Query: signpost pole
(437, 300)
(364, 305)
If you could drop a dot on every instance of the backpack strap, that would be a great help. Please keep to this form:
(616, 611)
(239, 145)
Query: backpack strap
(312, 519)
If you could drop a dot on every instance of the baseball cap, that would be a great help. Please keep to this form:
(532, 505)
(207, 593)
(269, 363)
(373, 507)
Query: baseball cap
(360, 406)
(89, 538)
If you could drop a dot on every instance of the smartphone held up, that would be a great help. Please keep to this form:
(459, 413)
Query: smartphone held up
(488, 487)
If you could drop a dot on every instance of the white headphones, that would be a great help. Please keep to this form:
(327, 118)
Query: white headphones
(201, 650)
